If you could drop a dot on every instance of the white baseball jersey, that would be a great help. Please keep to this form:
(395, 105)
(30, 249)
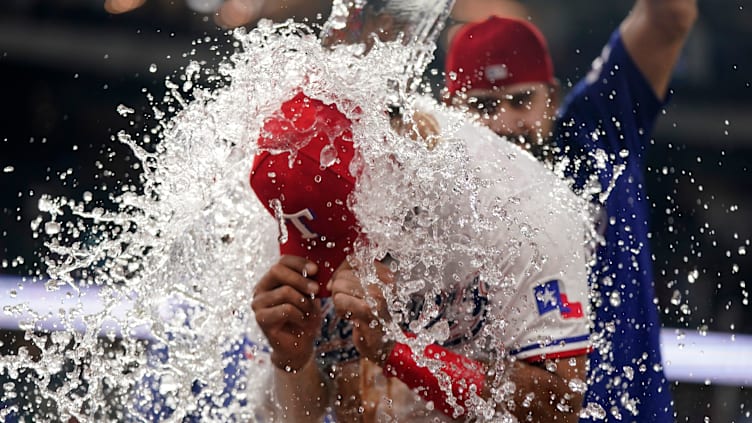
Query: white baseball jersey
(546, 299)
(539, 292)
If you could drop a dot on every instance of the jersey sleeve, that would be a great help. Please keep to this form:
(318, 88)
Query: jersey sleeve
(541, 238)
(548, 313)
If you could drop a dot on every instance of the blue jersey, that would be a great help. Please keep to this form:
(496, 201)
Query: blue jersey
(604, 126)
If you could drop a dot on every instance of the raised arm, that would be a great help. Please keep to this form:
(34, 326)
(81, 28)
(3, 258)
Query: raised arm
(654, 33)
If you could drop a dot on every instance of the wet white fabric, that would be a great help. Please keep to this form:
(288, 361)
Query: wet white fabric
(528, 301)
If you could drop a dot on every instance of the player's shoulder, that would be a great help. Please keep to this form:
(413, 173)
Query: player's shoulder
(493, 156)
(504, 168)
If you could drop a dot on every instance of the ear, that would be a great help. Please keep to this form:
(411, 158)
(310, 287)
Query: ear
(554, 90)
(447, 35)
(386, 23)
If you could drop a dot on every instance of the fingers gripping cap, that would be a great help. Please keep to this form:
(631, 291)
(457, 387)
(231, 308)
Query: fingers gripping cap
(495, 53)
(301, 183)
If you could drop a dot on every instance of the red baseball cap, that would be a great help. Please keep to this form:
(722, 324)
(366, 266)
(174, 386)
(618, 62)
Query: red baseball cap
(302, 177)
(495, 53)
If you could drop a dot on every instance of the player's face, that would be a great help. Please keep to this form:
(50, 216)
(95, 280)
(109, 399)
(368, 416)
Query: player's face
(523, 112)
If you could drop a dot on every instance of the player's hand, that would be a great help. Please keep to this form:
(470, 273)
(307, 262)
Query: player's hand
(287, 312)
(350, 303)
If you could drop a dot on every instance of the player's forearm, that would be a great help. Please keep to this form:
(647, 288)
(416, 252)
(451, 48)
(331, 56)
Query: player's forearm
(674, 18)
(654, 34)
(546, 396)
(300, 396)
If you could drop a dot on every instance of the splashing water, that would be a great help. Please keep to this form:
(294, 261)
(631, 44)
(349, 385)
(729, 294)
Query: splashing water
(175, 260)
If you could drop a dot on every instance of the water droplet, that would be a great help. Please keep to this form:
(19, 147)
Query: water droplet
(564, 408)
(279, 214)
(528, 400)
(593, 410)
(44, 205)
(52, 228)
(577, 385)
(8, 169)
(124, 110)
(152, 68)
(615, 298)
(693, 276)
(628, 372)
(328, 156)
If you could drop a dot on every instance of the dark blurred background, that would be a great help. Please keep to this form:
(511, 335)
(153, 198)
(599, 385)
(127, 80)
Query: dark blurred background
(66, 65)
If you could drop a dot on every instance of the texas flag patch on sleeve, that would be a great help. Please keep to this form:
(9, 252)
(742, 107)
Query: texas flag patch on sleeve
(549, 297)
